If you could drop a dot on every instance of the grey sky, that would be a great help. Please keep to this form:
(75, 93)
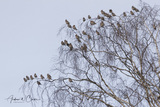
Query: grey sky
(28, 35)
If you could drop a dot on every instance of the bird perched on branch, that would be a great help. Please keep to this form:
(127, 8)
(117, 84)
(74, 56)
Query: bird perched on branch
(102, 12)
(106, 14)
(24, 79)
(97, 32)
(67, 22)
(70, 46)
(102, 18)
(84, 19)
(98, 17)
(77, 37)
(135, 9)
(70, 80)
(31, 77)
(42, 77)
(49, 77)
(35, 75)
(154, 26)
(27, 77)
(124, 14)
(38, 83)
(89, 17)
(74, 27)
(84, 33)
(101, 24)
(65, 42)
(85, 47)
(110, 10)
(92, 23)
(118, 24)
(62, 43)
(113, 14)
(82, 48)
(131, 12)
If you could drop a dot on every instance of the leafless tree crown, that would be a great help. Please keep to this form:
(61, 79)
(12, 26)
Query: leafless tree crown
(110, 60)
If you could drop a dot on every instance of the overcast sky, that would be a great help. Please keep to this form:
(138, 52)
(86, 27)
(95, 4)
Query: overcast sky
(28, 36)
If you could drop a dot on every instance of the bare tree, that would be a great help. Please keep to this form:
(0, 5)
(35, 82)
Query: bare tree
(109, 60)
